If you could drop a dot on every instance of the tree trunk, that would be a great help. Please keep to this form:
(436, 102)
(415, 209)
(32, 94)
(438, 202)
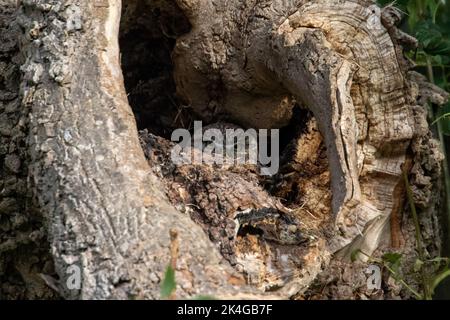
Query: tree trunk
(111, 211)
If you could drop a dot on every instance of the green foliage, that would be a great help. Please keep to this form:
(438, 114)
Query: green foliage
(444, 119)
(392, 257)
(433, 41)
(168, 284)
(204, 298)
(355, 254)
(429, 22)
(393, 260)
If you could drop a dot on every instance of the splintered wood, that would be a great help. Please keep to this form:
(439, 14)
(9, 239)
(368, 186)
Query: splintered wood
(343, 61)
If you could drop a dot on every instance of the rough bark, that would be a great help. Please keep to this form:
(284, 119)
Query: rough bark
(112, 214)
(24, 254)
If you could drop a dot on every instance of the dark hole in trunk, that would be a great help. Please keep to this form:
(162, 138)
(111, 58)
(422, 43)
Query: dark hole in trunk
(148, 32)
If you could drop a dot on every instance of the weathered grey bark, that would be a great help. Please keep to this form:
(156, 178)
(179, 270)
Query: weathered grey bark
(106, 211)
(23, 247)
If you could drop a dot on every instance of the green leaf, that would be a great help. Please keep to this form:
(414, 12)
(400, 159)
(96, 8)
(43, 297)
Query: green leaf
(205, 297)
(437, 59)
(168, 285)
(431, 38)
(439, 47)
(433, 6)
(446, 126)
(439, 260)
(413, 14)
(418, 264)
(444, 118)
(355, 254)
(445, 60)
(393, 260)
(392, 257)
(439, 278)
